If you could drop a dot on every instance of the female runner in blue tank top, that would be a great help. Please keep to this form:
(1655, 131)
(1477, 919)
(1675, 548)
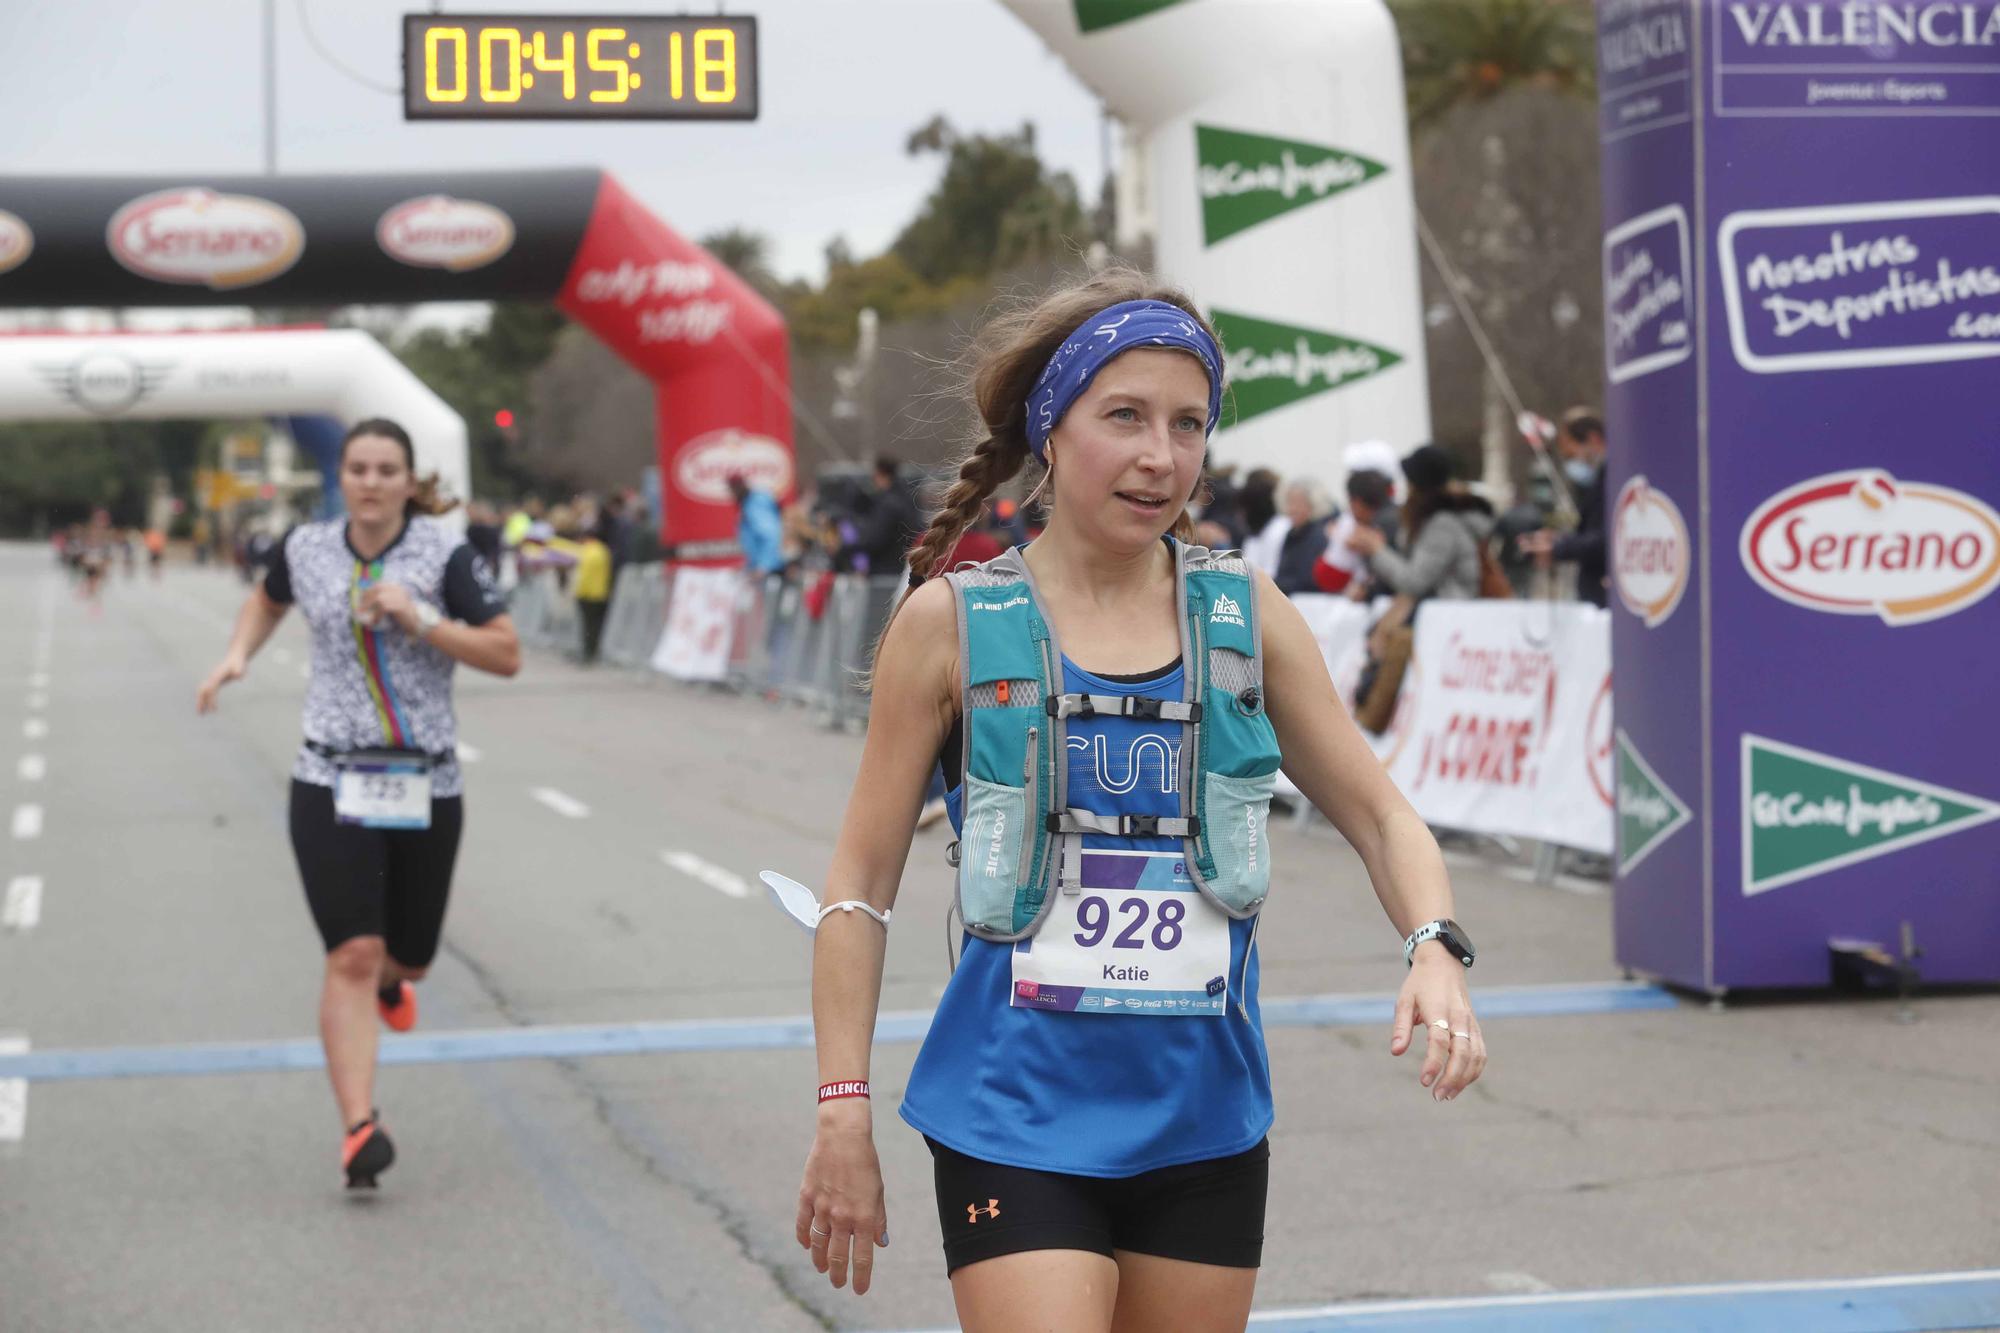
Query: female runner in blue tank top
(1100, 1168)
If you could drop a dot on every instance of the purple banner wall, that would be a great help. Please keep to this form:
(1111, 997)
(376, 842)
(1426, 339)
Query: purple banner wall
(1802, 278)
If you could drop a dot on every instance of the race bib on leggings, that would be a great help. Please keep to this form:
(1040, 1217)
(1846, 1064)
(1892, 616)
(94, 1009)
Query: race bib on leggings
(382, 789)
(1139, 939)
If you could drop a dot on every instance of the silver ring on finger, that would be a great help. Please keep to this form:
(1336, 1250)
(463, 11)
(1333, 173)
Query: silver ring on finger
(1442, 1023)
(814, 1228)
(1456, 1033)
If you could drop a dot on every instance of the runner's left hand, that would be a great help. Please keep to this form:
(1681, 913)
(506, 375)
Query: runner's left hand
(392, 600)
(1436, 989)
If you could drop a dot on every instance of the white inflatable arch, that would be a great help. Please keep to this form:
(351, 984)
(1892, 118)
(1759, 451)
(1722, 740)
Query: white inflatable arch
(340, 373)
(1272, 169)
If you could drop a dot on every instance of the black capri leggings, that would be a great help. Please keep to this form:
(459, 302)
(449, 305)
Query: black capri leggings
(366, 881)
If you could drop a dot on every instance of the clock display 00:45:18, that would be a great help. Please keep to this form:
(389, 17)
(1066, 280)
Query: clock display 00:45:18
(525, 66)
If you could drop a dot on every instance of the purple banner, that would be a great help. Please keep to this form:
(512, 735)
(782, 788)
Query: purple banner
(1805, 739)
(1862, 285)
(1859, 58)
(1643, 71)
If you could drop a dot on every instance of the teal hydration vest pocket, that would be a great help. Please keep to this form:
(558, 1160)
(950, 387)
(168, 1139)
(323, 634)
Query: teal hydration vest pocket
(1235, 823)
(995, 845)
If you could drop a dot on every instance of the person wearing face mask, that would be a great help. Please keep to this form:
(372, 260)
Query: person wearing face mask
(1581, 444)
(394, 601)
(1111, 704)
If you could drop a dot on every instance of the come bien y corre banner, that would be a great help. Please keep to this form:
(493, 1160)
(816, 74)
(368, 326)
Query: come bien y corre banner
(1505, 722)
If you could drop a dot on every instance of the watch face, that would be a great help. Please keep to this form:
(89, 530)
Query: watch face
(1457, 941)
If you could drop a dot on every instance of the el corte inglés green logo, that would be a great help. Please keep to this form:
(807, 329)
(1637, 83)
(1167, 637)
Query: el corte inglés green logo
(1648, 810)
(1272, 365)
(1246, 179)
(1805, 813)
(1094, 14)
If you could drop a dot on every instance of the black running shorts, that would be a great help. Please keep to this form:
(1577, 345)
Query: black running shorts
(1208, 1212)
(365, 881)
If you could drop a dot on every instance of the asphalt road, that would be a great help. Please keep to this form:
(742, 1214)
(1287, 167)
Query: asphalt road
(612, 823)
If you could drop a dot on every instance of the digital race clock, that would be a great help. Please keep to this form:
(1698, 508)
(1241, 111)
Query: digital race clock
(543, 67)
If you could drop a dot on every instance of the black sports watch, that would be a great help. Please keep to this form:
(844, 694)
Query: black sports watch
(1449, 932)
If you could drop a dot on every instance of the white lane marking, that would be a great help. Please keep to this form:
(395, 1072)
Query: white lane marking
(567, 806)
(37, 702)
(39, 681)
(1521, 1282)
(469, 754)
(305, 671)
(27, 821)
(35, 728)
(722, 881)
(22, 908)
(13, 1095)
(32, 768)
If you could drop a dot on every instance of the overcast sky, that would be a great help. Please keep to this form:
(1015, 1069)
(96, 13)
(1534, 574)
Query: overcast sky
(135, 86)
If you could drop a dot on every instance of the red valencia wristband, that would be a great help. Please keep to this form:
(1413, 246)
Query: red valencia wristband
(832, 1091)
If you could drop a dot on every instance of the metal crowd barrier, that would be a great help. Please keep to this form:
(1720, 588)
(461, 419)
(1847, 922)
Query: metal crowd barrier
(637, 616)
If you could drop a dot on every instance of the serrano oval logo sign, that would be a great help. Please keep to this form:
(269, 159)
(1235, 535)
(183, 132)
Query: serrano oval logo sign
(16, 241)
(201, 238)
(438, 231)
(707, 462)
(1650, 551)
(1864, 543)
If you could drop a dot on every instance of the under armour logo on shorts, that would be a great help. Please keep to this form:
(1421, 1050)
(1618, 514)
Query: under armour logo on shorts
(973, 1211)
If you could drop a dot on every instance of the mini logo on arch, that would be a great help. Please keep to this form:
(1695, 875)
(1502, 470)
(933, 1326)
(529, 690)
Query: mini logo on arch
(1863, 542)
(707, 462)
(198, 238)
(438, 231)
(1650, 551)
(17, 241)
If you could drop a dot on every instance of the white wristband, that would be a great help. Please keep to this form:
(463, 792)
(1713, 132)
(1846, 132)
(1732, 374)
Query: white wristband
(854, 905)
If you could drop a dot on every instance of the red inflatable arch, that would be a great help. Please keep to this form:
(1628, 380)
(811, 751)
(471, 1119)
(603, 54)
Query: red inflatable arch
(715, 349)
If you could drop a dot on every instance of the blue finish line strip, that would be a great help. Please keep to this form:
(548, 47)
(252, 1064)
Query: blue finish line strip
(1861, 1305)
(757, 1034)
(1968, 1300)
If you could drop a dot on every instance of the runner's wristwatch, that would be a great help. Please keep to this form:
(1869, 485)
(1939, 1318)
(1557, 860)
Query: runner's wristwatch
(1448, 932)
(428, 619)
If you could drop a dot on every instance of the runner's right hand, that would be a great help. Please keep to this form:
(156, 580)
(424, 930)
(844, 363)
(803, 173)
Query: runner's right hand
(840, 1199)
(229, 669)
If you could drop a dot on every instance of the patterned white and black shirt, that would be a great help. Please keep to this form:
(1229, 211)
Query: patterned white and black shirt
(380, 687)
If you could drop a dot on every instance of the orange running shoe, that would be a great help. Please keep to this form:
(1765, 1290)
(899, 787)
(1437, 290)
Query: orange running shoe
(367, 1153)
(398, 1007)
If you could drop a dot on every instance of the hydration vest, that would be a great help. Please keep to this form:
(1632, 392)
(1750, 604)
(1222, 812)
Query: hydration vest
(1021, 845)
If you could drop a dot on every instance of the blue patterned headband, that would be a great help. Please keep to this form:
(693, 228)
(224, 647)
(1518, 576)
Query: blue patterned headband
(1097, 340)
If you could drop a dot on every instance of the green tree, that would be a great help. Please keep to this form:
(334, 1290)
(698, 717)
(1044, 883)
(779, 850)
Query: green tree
(1460, 51)
(747, 254)
(996, 205)
(481, 372)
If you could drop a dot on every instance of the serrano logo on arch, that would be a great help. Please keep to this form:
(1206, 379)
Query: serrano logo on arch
(199, 238)
(17, 242)
(438, 231)
(1864, 543)
(1650, 551)
(707, 462)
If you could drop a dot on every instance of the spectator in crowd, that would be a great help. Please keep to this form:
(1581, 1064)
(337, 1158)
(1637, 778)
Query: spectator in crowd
(1307, 511)
(1581, 443)
(1341, 568)
(890, 525)
(482, 534)
(1264, 527)
(978, 545)
(1008, 524)
(1442, 531)
(593, 584)
(1219, 525)
(759, 527)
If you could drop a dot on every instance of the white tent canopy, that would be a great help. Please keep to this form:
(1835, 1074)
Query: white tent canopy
(339, 373)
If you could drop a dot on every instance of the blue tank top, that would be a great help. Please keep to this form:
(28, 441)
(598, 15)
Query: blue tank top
(1095, 1094)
